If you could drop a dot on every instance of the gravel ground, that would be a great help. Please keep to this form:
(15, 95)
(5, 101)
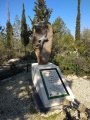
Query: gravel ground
(80, 88)
(15, 97)
(16, 101)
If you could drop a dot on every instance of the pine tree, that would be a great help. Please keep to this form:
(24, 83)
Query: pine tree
(61, 32)
(77, 32)
(24, 31)
(42, 12)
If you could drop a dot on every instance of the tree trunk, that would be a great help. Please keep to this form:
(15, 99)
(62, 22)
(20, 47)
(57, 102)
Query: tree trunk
(25, 51)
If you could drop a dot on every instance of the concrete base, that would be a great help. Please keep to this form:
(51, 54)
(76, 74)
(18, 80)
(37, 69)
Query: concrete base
(50, 84)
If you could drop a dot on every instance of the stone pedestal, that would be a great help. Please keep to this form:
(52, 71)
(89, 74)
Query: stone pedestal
(50, 84)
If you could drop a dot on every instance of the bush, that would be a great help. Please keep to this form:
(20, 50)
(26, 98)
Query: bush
(66, 63)
(70, 64)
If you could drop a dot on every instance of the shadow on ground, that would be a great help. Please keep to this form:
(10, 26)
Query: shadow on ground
(15, 98)
(16, 102)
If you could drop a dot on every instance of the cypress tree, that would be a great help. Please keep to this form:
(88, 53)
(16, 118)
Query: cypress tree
(41, 11)
(77, 32)
(9, 32)
(24, 31)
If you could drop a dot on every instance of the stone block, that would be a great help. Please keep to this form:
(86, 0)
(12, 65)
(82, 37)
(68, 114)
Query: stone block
(50, 84)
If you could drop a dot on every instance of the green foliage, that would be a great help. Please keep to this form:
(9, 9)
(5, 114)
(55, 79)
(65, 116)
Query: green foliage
(85, 39)
(9, 40)
(2, 49)
(41, 11)
(9, 33)
(83, 48)
(59, 26)
(63, 41)
(63, 52)
(2, 46)
(83, 69)
(72, 56)
(66, 63)
(58, 30)
(77, 32)
(71, 64)
(24, 31)
(68, 43)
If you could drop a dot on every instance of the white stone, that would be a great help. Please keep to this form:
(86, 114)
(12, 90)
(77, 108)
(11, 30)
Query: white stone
(13, 60)
(50, 84)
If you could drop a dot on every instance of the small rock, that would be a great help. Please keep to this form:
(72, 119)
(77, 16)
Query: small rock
(13, 60)
(84, 77)
(83, 116)
(81, 108)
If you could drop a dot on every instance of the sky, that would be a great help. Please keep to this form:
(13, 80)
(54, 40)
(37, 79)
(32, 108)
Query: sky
(65, 9)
